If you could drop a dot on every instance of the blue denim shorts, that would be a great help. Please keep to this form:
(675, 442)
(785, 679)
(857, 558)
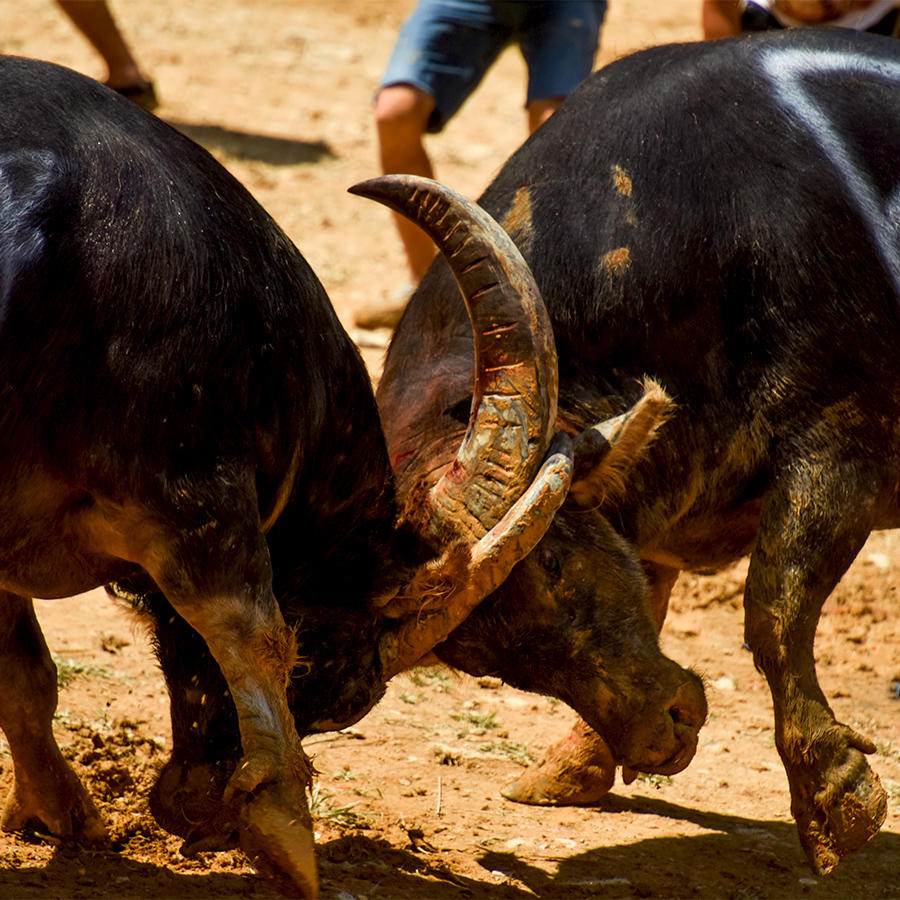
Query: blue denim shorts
(445, 47)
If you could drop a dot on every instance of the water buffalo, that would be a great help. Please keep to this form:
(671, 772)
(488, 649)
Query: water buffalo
(180, 404)
(723, 218)
(652, 705)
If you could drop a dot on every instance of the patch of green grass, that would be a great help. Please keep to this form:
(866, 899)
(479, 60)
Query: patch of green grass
(510, 749)
(67, 670)
(743, 893)
(479, 720)
(368, 793)
(412, 699)
(487, 843)
(435, 677)
(320, 808)
(346, 774)
(886, 748)
(657, 781)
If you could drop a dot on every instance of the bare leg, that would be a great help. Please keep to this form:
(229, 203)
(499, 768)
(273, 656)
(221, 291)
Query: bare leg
(94, 20)
(813, 524)
(541, 110)
(401, 117)
(46, 792)
(580, 770)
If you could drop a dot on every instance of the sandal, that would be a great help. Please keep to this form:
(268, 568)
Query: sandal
(142, 93)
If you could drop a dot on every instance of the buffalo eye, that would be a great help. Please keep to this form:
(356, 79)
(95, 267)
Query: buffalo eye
(548, 561)
(462, 411)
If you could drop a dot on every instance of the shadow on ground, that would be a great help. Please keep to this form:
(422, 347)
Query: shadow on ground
(759, 858)
(264, 148)
(80, 873)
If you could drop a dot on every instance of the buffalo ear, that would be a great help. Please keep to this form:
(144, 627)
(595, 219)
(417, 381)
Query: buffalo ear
(606, 452)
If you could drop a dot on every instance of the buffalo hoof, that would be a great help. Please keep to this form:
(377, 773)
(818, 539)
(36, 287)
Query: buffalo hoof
(187, 800)
(215, 807)
(837, 800)
(578, 771)
(276, 834)
(57, 804)
(275, 828)
(843, 821)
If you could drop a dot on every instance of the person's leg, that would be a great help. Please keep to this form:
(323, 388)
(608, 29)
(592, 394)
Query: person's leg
(541, 110)
(559, 43)
(95, 21)
(755, 18)
(889, 26)
(442, 53)
(401, 118)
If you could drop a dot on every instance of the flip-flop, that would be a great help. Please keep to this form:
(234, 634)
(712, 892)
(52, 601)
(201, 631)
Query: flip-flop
(142, 93)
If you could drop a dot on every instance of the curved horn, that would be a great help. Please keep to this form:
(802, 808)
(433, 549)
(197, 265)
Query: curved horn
(497, 499)
(450, 587)
(514, 401)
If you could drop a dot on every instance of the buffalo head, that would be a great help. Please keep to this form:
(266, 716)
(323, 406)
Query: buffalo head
(362, 616)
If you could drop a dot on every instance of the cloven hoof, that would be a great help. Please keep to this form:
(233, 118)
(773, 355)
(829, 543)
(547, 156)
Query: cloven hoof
(855, 819)
(278, 841)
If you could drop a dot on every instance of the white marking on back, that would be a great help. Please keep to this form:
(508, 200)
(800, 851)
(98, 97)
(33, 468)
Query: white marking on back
(786, 69)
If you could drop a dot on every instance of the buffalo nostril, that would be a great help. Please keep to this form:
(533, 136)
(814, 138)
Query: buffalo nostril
(683, 715)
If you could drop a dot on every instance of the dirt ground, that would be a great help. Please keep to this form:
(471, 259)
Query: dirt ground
(407, 804)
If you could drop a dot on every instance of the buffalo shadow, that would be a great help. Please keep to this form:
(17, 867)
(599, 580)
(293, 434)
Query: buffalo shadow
(740, 858)
(77, 872)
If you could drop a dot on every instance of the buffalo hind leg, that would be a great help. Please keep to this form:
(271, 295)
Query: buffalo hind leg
(46, 793)
(812, 527)
(580, 770)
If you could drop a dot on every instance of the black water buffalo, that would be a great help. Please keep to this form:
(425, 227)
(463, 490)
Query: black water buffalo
(347, 649)
(723, 218)
(692, 215)
(173, 385)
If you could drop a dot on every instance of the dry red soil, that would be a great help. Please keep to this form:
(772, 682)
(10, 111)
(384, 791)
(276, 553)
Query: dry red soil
(407, 803)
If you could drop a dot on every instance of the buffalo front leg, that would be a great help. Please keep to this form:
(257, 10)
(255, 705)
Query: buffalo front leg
(812, 527)
(46, 793)
(577, 771)
(256, 652)
(580, 769)
(205, 550)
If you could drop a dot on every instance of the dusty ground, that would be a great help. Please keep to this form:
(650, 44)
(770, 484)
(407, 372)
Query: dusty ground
(407, 804)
